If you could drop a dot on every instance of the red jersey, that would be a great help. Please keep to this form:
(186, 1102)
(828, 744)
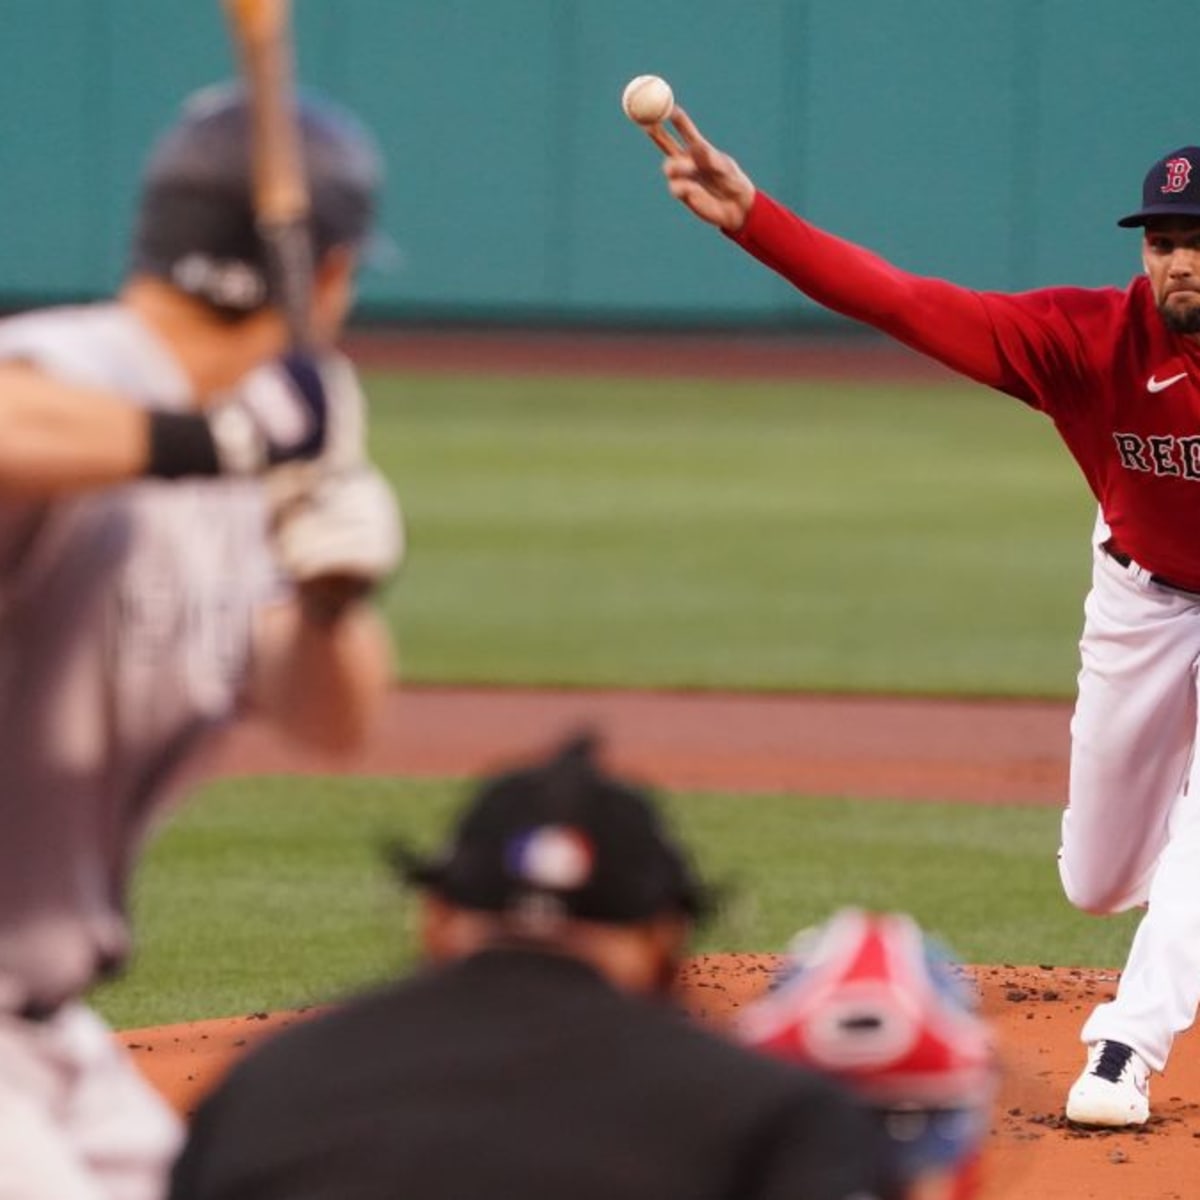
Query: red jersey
(1121, 388)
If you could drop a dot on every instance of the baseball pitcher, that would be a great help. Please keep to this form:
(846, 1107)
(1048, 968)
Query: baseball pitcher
(1118, 372)
(136, 618)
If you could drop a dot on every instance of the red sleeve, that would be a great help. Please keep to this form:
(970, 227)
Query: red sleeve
(936, 318)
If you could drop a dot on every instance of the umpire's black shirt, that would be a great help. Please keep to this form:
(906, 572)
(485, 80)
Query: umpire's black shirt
(517, 1075)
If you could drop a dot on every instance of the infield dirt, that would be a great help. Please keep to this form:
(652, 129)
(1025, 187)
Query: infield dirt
(986, 752)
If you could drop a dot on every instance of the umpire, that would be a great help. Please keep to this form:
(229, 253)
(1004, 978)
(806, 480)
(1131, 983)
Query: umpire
(535, 1053)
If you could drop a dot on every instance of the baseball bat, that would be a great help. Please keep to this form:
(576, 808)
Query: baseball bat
(262, 34)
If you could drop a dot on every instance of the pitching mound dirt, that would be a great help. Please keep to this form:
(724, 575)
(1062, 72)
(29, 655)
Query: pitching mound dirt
(1035, 1011)
(893, 749)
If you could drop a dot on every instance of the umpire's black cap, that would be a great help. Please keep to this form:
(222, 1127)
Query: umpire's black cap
(195, 224)
(1171, 188)
(564, 833)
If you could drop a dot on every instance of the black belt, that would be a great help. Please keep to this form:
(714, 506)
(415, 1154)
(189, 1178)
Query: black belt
(1118, 557)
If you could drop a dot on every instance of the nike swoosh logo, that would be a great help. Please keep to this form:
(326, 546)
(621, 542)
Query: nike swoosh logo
(1157, 385)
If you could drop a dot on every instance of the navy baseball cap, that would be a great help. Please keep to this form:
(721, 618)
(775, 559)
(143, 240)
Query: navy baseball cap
(563, 834)
(195, 223)
(1171, 188)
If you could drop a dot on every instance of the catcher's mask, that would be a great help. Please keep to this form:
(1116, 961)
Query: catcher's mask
(872, 1001)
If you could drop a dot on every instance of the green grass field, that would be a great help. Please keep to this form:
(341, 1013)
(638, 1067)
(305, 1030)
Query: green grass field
(641, 533)
(782, 536)
(271, 893)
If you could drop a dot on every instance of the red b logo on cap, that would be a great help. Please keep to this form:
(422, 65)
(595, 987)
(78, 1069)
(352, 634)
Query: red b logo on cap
(1179, 174)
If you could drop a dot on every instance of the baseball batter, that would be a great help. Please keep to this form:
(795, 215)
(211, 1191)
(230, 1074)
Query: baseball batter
(1118, 372)
(135, 619)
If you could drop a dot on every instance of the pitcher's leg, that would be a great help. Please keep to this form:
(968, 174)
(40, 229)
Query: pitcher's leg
(1127, 839)
(1131, 740)
(1159, 989)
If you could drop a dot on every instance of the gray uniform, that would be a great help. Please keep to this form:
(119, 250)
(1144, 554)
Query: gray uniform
(125, 634)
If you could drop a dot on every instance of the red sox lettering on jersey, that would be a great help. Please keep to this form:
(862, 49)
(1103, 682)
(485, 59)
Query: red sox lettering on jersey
(1164, 454)
(1161, 455)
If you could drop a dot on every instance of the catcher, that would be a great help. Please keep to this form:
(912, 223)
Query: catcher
(870, 1000)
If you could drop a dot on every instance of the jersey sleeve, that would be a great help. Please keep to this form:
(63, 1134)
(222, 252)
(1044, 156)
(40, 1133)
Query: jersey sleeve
(1014, 343)
(1053, 343)
(21, 518)
(19, 343)
(42, 344)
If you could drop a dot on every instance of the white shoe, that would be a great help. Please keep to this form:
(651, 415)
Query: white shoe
(1114, 1089)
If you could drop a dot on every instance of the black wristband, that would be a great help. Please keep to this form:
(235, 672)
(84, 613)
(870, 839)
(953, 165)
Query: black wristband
(181, 444)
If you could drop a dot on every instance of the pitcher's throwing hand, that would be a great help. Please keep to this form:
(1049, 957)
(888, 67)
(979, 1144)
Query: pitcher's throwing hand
(706, 179)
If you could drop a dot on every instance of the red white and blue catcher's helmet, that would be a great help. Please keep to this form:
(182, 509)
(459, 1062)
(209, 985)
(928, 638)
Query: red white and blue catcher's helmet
(870, 1000)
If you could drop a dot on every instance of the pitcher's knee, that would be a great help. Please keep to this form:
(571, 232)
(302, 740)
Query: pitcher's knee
(1099, 903)
(1099, 894)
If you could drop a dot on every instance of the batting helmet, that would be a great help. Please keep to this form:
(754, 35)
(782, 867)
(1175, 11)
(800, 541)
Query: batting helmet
(872, 1001)
(195, 224)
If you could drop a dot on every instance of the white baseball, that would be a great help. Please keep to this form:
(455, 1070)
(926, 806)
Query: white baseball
(647, 99)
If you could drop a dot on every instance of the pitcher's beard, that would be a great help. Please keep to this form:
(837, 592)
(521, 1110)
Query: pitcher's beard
(1181, 320)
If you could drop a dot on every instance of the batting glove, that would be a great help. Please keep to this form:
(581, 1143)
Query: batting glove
(282, 416)
(278, 415)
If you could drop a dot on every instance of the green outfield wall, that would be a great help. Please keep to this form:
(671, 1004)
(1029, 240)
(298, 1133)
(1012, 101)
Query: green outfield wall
(991, 141)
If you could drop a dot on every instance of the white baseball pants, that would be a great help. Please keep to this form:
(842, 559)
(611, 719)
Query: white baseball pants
(77, 1120)
(1131, 830)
